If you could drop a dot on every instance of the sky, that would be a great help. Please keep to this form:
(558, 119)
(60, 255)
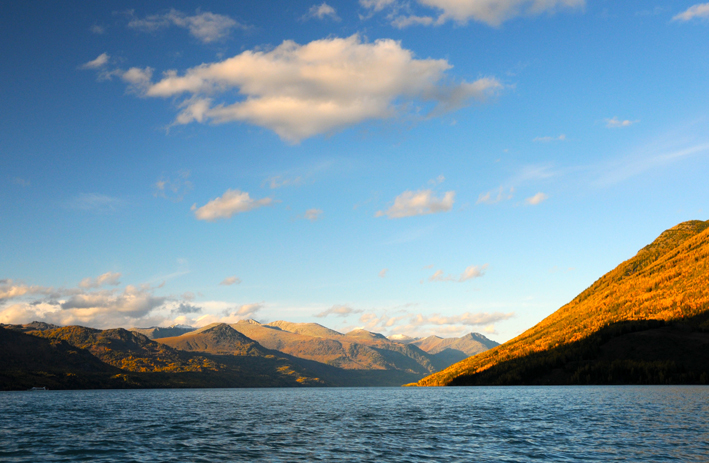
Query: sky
(408, 167)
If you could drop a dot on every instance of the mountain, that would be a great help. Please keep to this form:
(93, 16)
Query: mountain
(402, 338)
(646, 321)
(217, 338)
(130, 359)
(307, 329)
(222, 339)
(358, 350)
(157, 332)
(447, 351)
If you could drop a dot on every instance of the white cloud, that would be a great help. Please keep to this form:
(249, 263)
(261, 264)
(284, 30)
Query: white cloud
(536, 199)
(474, 271)
(502, 195)
(547, 139)
(247, 310)
(299, 91)
(700, 11)
(21, 182)
(230, 203)
(228, 281)
(97, 63)
(175, 187)
(437, 180)
(322, 11)
(109, 278)
(339, 311)
(401, 22)
(10, 290)
(616, 123)
(383, 272)
(422, 202)
(495, 12)
(138, 79)
(98, 30)
(206, 27)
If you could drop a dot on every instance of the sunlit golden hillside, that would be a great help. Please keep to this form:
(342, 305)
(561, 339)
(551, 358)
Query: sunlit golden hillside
(644, 321)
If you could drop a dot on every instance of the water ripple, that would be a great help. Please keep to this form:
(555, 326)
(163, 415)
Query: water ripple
(503, 424)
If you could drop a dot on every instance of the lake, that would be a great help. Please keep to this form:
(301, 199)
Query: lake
(495, 424)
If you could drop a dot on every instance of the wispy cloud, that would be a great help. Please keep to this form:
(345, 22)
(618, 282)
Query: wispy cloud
(383, 272)
(228, 281)
(173, 187)
(299, 91)
(471, 272)
(279, 182)
(548, 139)
(339, 311)
(490, 12)
(207, 27)
(490, 197)
(615, 123)
(100, 61)
(422, 202)
(94, 202)
(698, 11)
(21, 181)
(536, 199)
(108, 278)
(230, 203)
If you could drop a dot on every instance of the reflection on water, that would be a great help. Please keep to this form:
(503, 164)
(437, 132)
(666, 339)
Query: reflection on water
(358, 424)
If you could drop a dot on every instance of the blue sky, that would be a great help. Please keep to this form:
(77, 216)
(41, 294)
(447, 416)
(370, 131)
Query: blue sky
(422, 167)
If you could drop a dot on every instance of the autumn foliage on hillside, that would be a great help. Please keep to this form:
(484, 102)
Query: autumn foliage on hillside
(667, 281)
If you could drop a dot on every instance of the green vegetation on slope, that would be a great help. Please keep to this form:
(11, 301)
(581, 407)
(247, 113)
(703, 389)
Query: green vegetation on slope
(667, 281)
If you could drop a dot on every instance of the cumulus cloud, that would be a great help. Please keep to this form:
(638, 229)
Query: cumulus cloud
(322, 11)
(228, 281)
(174, 187)
(698, 11)
(104, 308)
(491, 198)
(230, 203)
(207, 27)
(536, 199)
(383, 272)
(339, 311)
(109, 278)
(422, 202)
(97, 63)
(377, 5)
(11, 290)
(617, 123)
(299, 91)
(548, 139)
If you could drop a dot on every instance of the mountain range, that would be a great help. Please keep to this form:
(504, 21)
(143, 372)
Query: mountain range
(245, 354)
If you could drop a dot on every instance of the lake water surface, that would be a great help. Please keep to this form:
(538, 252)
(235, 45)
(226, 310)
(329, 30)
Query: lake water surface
(495, 424)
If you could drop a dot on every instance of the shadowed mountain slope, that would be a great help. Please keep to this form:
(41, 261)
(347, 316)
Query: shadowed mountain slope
(666, 283)
(157, 332)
